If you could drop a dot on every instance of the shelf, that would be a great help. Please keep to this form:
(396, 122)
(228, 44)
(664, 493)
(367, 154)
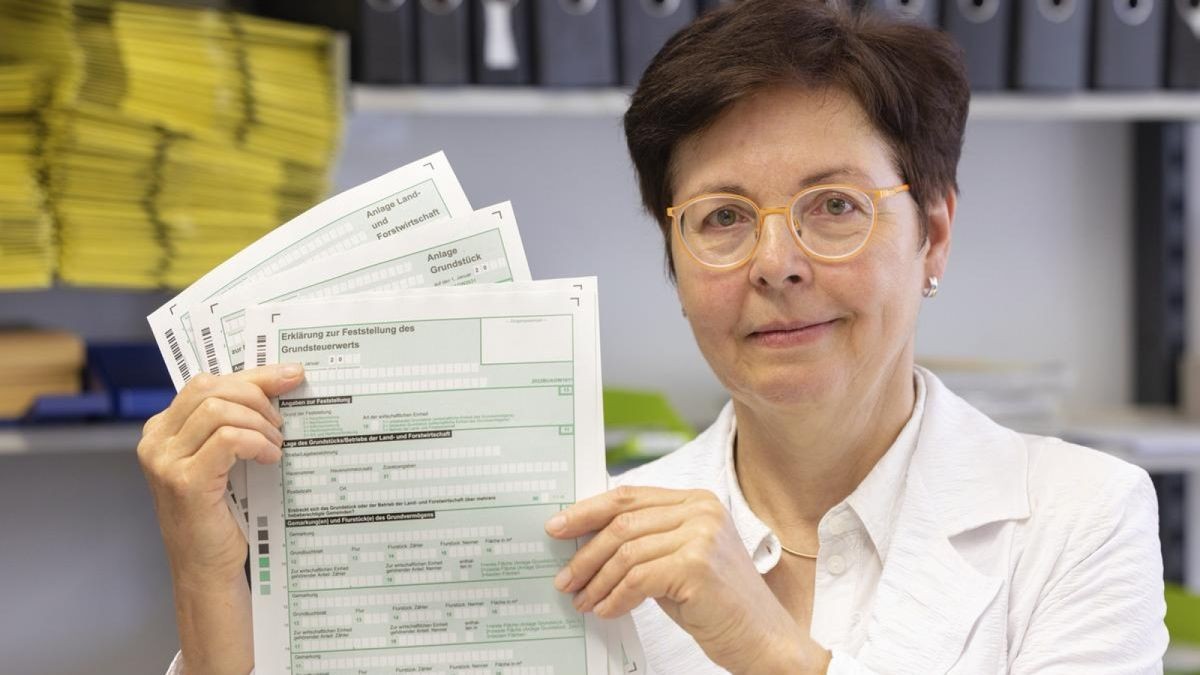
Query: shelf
(73, 438)
(475, 100)
(1122, 107)
(1157, 439)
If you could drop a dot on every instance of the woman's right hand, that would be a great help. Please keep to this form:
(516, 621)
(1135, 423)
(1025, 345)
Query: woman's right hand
(187, 452)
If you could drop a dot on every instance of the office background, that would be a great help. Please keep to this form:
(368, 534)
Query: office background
(1043, 275)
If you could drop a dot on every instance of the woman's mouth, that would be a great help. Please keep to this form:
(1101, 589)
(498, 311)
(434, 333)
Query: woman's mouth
(791, 334)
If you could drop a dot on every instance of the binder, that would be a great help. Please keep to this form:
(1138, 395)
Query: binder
(1052, 41)
(1183, 40)
(918, 11)
(645, 27)
(501, 46)
(386, 50)
(444, 41)
(1129, 44)
(982, 28)
(576, 42)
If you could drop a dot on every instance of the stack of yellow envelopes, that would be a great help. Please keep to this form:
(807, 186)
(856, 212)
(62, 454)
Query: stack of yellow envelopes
(27, 250)
(177, 135)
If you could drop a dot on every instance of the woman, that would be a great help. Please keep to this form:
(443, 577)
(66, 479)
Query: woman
(846, 513)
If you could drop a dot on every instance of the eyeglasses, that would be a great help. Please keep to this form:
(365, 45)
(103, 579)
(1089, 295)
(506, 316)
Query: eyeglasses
(829, 222)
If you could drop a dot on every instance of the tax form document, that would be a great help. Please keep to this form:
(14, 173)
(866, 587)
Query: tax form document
(484, 247)
(415, 195)
(435, 433)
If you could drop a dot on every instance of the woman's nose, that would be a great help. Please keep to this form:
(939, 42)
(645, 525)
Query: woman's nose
(778, 260)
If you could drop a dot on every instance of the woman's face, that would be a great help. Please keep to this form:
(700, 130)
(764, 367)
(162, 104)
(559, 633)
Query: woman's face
(785, 329)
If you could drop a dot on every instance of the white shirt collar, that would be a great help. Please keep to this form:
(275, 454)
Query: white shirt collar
(873, 504)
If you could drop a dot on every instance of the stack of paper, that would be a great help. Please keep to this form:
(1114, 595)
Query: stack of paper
(1020, 395)
(177, 136)
(450, 407)
(27, 249)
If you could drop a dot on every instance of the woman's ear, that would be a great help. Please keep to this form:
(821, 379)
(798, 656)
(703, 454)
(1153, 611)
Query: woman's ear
(939, 220)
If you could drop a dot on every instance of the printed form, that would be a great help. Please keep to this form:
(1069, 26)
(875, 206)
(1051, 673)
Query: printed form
(423, 192)
(484, 247)
(382, 210)
(436, 431)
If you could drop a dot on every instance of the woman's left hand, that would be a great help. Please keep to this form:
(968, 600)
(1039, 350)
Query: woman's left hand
(681, 548)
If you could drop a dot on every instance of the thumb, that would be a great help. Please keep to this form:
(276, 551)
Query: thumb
(275, 379)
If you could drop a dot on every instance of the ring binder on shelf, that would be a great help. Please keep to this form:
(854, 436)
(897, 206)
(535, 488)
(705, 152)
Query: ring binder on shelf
(387, 48)
(444, 41)
(501, 44)
(1183, 45)
(1129, 44)
(1052, 38)
(983, 29)
(645, 26)
(576, 42)
(918, 11)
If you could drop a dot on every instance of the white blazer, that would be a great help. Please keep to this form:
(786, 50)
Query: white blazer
(1009, 553)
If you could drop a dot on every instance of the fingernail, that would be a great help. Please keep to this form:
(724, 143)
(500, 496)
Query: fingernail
(563, 579)
(556, 524)
(580, 602)
(290, 371)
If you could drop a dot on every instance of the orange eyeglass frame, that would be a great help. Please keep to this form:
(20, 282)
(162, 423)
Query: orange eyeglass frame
(876, 196)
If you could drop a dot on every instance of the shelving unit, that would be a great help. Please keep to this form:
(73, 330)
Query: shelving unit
(73, 438)
(1112, 107)
(1154, 439)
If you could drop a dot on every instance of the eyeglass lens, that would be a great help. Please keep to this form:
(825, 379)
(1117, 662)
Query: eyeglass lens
(831, 222)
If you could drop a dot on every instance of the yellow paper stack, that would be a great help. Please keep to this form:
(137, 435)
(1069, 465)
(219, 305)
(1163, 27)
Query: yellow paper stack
(178, 135)
(27, 251)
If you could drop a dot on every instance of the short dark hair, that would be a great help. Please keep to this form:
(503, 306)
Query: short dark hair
(909, 80)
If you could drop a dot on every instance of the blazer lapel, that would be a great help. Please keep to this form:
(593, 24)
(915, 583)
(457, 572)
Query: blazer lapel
(928, 599)
(966, 472)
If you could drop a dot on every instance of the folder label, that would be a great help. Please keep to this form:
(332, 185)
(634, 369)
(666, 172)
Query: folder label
(1133, 12)
(499, 42)
(978, 11)
(1057, 11)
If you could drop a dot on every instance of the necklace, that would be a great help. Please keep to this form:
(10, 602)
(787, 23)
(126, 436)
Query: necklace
(798, 554)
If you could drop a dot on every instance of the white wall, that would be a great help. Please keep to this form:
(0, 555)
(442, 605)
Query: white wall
(1040, 269)
(1041, 264)
(84, 585)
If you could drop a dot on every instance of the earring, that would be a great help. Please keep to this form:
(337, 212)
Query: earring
(931, 288)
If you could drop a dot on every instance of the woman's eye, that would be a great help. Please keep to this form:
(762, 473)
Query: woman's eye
(725, 217)
(837, 206)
